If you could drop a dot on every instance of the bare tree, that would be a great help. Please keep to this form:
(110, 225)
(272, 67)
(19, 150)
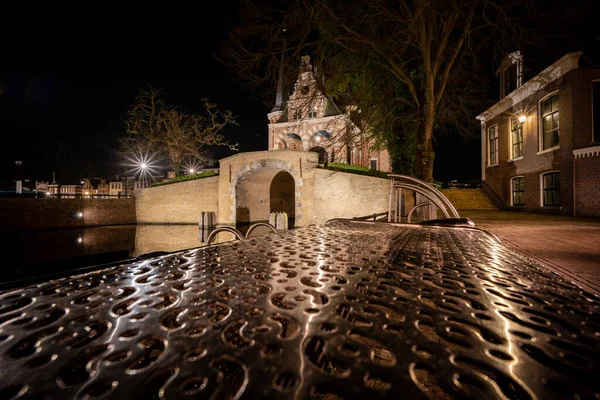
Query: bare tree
(170, 132)
(418, 47)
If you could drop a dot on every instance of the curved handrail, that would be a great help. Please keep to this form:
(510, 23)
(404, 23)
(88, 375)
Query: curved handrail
(409, 216)
(430, 189)
(229, 229)
(256, 225)
(424, 192)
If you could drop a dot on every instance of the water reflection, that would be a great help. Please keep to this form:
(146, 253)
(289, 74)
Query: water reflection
(35, 253)
(150, 238)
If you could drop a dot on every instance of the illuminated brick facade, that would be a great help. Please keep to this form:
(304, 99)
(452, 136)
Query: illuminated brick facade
(310, 121)
(531, 138)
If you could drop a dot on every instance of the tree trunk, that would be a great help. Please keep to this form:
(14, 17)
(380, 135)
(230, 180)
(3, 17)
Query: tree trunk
(425, 155)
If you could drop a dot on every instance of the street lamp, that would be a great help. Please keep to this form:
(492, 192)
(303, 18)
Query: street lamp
(522, 119)
(192, 170)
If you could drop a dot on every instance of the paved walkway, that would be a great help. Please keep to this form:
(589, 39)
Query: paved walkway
(569, 246)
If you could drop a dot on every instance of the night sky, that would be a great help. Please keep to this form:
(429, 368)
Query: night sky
(67, 78)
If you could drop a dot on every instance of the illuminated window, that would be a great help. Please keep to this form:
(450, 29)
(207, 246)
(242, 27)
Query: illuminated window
(518, 191)
(493, 145)
(551, 189)
(550, 117)
(516, 135)
(312, 114)
(596, 110)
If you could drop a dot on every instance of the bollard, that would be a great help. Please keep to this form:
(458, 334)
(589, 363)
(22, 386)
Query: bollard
(206, 224)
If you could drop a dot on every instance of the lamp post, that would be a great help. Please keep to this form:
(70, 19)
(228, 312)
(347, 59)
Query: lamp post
(144, 168)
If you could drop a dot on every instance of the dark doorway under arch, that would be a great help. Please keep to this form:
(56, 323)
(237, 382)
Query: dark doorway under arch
(321, 152)
(282, 195)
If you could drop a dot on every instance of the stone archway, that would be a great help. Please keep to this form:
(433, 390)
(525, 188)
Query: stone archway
(282, 196)
(262, 187)
(245, 185)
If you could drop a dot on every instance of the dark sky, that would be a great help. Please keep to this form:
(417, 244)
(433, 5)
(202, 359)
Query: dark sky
(65, 89)
(67, 77)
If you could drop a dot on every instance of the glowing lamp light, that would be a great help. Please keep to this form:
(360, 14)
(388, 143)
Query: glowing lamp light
(192, 170)
(318, 138)
(522, 119)
(143, 166)
(79, 214)
(79, 240)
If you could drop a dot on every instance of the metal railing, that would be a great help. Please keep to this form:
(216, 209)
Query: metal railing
(434, 199)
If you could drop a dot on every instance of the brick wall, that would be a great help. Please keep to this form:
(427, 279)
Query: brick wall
(177, 203)
(16, 213)
(344, 195)
(535, 162)
(587, 186)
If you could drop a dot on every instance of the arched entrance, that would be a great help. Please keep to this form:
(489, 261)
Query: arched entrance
(321, 152)
(282, 195)
(262, 191)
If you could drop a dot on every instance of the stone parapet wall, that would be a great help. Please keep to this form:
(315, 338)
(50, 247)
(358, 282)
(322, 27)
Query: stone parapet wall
(177, 203)
(345, 195)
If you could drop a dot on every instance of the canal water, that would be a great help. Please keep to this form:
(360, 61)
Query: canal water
(36, 253)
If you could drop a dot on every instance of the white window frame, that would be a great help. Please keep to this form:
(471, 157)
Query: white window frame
(541, 149)
(542, 189)
(489, 147)
(376, 164)
(512, 193)
(510, 136)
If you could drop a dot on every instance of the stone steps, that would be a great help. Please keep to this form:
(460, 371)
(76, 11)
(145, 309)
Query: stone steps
(469, 199)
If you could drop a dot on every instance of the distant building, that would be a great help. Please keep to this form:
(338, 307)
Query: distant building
(103, 188)
(310, 121)
(540, 145)
(70, 191)
(116, 188)
(142, 184)
(41, 186)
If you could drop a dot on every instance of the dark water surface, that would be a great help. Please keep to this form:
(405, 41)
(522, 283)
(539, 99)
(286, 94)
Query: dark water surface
(34, 253)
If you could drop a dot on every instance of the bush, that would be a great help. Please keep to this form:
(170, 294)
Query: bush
(185, 178)
(355, 169)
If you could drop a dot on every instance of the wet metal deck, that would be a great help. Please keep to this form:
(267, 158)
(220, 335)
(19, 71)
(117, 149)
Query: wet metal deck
(347, 310)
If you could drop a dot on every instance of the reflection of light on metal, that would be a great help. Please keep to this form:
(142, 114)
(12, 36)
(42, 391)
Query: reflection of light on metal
(522, 118)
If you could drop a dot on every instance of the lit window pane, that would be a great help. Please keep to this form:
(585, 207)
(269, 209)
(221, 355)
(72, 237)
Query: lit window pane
(547, 123)
(546, 107)
(555, 120)
(555, 103)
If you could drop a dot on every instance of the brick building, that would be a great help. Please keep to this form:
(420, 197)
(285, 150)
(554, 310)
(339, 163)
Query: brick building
(540, 144)
(310, 121)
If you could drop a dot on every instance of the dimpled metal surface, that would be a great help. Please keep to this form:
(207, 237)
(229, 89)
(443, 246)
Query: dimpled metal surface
(346, 310)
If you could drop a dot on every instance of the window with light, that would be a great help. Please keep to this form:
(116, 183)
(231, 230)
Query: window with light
(551, 189)
(550, 122)
(518, 191)
(516, 133)
(493, 145)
